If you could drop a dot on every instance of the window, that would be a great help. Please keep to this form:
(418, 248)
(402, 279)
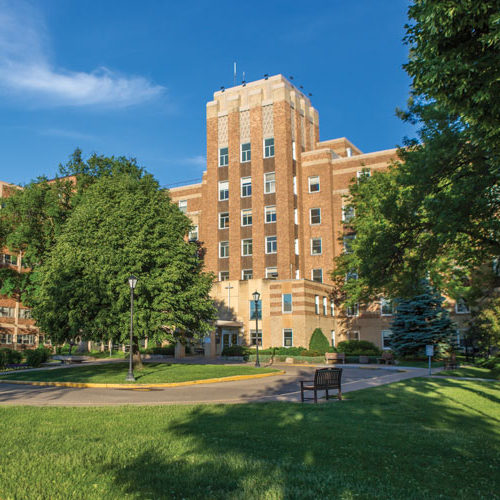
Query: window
(332, 308)
(315, 216)
(386, 307)
(253, 337)
(316, 304)
(272, 273)
(297, 274)
(294, 184)
(325, 306)
(246, 217)
(193, 234)
(295, 216)
(223, 157)
(183, 206)
(348, 242)
(294, 151)
(363, 174)
(224, 249)
(246, 187)
(224, 276)
(348, 213)
(223, 190)
(317, 275)
(271, 244)
(296, 244)
(269, 147)
(353, 310)
(252, 309)
(332, 333)
(351, 275)
(353, 335)
(24, 313)
(5, 338)
(287, 338)
(246, 274)
(314, 184)
(386, 339)
(315, 246)
(270, 212)
(245, 152)
(246, 247)
(25, 339)
(461, 307)
(287, 302)
(348, 152)
(269, 183)
(6, 312)
(223, 220)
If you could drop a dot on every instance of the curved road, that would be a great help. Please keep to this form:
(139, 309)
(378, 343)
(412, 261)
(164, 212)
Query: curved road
(283, 387)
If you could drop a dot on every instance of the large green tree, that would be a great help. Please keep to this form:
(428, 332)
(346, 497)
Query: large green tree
(123, 224)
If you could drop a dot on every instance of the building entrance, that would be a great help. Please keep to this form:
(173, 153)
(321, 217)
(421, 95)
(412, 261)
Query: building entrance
(229, 337)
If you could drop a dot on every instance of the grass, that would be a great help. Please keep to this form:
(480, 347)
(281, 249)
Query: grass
(153, 373)
(422, 438)
(472, 371)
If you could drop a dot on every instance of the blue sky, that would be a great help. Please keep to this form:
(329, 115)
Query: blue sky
(132, 78)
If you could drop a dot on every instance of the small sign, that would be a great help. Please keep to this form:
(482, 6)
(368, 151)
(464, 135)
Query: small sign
(429, 350)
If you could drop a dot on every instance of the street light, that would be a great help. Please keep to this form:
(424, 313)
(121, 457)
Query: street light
(256, 297)
(132, 281)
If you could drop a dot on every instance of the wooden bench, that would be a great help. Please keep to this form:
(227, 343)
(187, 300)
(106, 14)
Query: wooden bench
(451, 362)
(70, 359)
(387, 358)
(334, 357)
(325, 379)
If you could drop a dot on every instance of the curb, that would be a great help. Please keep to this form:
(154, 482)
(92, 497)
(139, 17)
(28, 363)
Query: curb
(141, 386)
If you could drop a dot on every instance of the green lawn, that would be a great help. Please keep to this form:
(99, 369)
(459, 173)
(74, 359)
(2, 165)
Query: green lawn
(418, 439)
(471, 371)
(153, 373)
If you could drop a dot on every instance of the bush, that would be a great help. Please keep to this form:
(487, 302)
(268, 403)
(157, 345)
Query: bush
(310, 352)
(236, 350)
(35, 357)
(11, 356)
(319, 342)
(3, 359)
(358, 347)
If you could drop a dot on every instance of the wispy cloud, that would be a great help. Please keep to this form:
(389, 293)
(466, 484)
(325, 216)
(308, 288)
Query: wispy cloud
(198, 160)
(69, 134)
(25, 68)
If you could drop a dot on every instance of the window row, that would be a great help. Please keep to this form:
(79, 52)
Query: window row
(246, 186)
(246, 217)
(8, 312)
(247, 247)
(247, 274)
(8, 259)
(246, 152)
(324, 303)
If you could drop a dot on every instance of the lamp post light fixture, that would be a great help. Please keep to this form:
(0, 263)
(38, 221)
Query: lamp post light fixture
(132, 281)
(256, 297)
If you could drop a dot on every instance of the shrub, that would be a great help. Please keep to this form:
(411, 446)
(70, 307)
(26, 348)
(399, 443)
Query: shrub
(35, 357)
(3, 359)
(11, 356)
(310, 352)
(167, 350)
(358, 347)
(318, 342)
(236, 350)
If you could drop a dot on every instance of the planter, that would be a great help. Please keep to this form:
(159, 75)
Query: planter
(364, 360)
(235, 358)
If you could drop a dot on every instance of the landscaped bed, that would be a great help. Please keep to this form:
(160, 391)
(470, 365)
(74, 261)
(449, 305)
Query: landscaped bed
(152, 373)
(422, 438)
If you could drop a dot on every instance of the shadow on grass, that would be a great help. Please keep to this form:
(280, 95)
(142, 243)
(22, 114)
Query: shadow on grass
(381, 444)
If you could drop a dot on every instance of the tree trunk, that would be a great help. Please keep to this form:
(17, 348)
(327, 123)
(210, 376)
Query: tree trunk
(136, 355)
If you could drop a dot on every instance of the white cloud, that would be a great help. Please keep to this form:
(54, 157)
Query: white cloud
(198, 160)
(25, 68)
(69, 134)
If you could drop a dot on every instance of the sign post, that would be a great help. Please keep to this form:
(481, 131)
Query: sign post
(429, 351)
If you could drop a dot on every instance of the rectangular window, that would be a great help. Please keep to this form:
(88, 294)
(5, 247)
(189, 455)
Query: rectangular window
(253, 337)
(223, 190)
(325, 306)
(272, 273)
(24, 313)
(287, 337)
(295, 216)
(386, 339)
(5, 338)
(353, 310)
(246, 247)
(287, 302)
(246, 217)
(316, 304)
(316, 246)
(246, 187)
(297, 274)
(461, 307)
(332, 333)
(296, 246)
(332, 308)
(270, 212)
(347, 240)
(224, 249)
(348, 213)
(269, 147)
(294, 151)
(351, 275)
(252, 309)
(315, 216)
(193, 233)
(294, 184)
(363, 174)
(245, 152)
(317, 275)
(314, 184)
(271, 244)
(26, 339)
(269, 183)
(183, 206)
(386, 307)
(246, 274)
(223, 157)
(223, 220)
(6, 312)
(224, 276)
(353, 335)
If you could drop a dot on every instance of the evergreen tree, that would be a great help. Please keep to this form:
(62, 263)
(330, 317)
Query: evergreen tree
(318, 341)
(420, 321)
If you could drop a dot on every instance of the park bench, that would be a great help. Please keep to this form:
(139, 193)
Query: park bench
(387, 358)
(334, 357)
(70, 359)
(325, 379)
(451, 362)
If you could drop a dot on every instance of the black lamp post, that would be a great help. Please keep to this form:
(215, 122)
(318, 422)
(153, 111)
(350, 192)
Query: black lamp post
(256, 297)
(132, 281)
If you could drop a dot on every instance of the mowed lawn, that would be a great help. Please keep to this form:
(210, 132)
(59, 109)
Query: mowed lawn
(152, 373)
(417, 439)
